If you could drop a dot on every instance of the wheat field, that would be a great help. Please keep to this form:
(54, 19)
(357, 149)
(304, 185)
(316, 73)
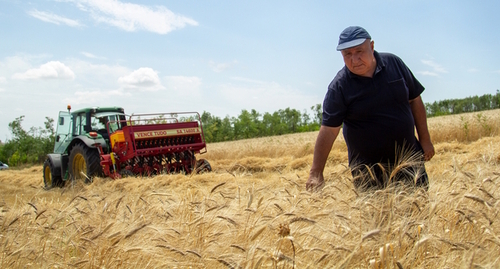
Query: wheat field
(253, 211)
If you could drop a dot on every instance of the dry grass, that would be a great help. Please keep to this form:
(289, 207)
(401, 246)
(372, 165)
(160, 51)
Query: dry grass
(253, 212)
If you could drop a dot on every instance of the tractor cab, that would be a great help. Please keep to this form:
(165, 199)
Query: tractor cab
(90, 122)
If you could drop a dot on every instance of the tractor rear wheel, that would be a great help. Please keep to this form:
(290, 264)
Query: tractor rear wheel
(50, 180)
(84, 163)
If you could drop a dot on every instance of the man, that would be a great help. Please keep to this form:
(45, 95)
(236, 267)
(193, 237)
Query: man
(376, 99)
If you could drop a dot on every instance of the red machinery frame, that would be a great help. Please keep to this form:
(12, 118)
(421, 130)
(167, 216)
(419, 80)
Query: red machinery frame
(142, 147)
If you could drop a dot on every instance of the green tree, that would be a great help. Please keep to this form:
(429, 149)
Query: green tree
(48, 137)
(226, 130)
(245, 126)
(28, 146)
(267, 124)
(257, 123)
(209, 126)
(305, 122)
(291, 119)
(318, 115)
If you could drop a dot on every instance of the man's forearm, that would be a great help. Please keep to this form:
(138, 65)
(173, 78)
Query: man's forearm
(324, 143)
(420, 118)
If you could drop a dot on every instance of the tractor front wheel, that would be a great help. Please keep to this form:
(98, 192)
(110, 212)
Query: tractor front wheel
(50, 180)
(84, 163)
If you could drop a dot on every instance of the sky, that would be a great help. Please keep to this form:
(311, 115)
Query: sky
(225, 56)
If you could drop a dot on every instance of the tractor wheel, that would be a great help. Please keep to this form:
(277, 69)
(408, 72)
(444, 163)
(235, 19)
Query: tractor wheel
(203, 166)
(49, 179)
(84, 163)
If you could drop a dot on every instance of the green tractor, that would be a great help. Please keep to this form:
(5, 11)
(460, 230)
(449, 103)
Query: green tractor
(80, 136)
(102, 141)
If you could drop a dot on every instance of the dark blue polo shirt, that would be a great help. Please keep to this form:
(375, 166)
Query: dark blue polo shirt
(375, 112)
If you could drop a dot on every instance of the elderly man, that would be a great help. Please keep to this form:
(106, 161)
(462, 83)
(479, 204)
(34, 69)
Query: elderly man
(376, 99)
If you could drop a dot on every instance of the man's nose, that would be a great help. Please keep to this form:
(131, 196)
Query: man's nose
(355, 58)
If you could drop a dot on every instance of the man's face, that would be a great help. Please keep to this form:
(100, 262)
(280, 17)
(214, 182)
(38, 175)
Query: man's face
(360, 59)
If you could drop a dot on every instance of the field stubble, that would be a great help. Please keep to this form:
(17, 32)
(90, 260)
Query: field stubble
(253, 211)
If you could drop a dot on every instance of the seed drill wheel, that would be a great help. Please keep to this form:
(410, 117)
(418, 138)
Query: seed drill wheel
(84, 163)
(49, 179)
(124, 173)
(203, 166)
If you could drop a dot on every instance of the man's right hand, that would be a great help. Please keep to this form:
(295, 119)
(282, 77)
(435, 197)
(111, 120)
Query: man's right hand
(324, 143)
(315, 182)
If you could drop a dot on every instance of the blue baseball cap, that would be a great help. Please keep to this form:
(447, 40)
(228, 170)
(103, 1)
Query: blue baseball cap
(352, 36)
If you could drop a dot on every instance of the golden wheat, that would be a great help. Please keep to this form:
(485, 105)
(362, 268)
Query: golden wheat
(253, 211)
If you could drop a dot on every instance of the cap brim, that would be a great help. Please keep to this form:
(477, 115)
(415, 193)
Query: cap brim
(350, 44)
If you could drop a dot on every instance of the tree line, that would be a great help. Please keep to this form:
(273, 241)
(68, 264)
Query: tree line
(31, 146)
(465, 105)
(252, 124)
(28, 146)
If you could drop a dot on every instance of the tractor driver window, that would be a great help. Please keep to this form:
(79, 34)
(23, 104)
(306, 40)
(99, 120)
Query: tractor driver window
(114, 123)
(99, 123)
(80, 124)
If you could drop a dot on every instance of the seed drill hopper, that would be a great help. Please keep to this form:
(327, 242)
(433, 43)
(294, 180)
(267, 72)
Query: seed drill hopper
(149, 144)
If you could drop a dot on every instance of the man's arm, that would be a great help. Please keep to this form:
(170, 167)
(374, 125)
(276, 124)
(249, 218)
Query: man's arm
(324, 143)
(420, 118)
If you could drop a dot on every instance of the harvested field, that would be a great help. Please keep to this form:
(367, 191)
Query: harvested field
(253, 211)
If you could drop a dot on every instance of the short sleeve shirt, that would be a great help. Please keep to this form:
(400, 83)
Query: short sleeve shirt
(375, 112)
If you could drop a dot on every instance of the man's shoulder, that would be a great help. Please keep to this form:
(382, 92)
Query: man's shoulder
(387, 55)
(341, 77)
(388, 58)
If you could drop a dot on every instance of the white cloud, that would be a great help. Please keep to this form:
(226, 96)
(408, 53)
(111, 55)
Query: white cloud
(93, 97)
(50, 70)
(435, 66)
(187, 86)
(92, 56)
(144, 78)
(52, 18)
(219, 67)
(100, 73)
(428, 73)
(437, 69)
(20, 63)
(2, 80)
(133, 17)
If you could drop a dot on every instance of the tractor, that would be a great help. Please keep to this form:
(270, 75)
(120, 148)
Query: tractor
(104, 141)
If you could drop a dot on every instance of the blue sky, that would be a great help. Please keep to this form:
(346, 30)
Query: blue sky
(225, 56)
